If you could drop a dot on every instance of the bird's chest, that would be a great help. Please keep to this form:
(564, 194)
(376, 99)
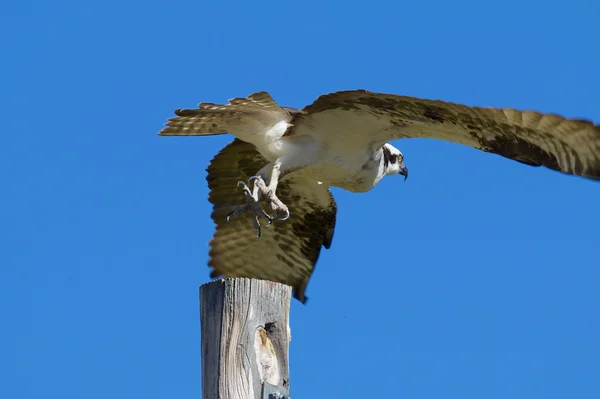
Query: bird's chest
(355, 174)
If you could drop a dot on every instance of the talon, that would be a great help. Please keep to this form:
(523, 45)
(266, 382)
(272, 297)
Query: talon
(270, 218)
(253, 204)
(238, 210)
(258, 232)
(244, 186)
(287, 215)
(245, 189)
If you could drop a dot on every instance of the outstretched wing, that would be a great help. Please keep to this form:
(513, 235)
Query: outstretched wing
(287, 250)
(371, 119)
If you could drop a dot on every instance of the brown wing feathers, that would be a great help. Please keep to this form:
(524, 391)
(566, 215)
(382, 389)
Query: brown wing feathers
(287, 251)
(570, 146)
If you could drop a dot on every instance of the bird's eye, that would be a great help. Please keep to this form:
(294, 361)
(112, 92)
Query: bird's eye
(399, 158)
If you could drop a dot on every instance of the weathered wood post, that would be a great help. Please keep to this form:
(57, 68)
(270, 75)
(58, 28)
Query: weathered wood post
(245, 336)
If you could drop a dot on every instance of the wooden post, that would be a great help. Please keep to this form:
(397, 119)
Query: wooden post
(245, 336)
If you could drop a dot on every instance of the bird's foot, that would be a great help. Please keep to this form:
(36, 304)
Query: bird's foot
(270, 198)
(252, 206)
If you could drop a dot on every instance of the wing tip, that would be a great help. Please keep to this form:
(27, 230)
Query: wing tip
(299, 295)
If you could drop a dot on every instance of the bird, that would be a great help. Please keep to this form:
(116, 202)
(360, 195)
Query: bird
(287, 159)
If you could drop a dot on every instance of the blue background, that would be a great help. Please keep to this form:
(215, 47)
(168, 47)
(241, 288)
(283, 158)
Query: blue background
(477, 277)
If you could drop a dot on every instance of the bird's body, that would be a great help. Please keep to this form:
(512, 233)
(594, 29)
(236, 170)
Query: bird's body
(331, 159)
(344, 167)
(341, 140)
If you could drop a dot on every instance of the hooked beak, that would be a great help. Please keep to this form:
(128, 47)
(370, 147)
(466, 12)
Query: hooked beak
(404, 171)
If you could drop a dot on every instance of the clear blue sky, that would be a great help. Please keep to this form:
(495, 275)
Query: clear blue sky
(477, 277)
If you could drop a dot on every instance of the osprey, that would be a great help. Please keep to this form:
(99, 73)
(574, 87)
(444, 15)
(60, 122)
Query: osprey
(288, 158)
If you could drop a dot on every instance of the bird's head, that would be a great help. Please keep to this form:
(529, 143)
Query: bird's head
(394, 161)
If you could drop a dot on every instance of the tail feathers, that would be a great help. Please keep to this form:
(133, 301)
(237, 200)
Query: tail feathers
(194, 122)
(211, 119)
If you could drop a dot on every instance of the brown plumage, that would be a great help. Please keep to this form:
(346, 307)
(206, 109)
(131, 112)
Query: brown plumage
(570, 146)
(339, 140)
(287, 251)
